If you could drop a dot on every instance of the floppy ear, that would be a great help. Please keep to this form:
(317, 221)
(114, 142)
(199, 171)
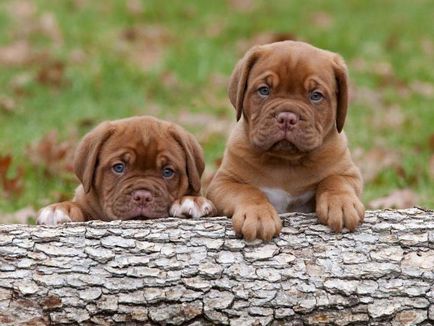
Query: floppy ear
(86, 155)
(341, 75)
(238, 81)
(194, 156)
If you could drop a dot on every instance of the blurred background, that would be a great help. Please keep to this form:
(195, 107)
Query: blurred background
(67, 65)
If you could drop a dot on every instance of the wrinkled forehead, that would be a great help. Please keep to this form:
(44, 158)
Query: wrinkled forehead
(294, 63)
(151, 144)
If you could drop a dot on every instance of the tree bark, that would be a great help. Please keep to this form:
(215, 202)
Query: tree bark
(177, 271)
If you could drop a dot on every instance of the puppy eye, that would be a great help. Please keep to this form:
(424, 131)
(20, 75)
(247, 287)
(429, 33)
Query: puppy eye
(118, 168)
(315, 96)
(168, 173)
(264, 91)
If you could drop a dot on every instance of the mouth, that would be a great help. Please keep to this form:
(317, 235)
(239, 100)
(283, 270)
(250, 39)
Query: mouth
(284, 145)
(144, 213)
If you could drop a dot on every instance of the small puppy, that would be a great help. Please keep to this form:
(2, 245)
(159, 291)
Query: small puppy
(288, 152)
(135, 168)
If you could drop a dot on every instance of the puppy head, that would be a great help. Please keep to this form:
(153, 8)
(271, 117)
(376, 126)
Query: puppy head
(291, 96)
(137, 167)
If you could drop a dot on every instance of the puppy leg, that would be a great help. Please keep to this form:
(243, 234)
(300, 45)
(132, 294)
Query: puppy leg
(253, 216)
(58, 213)
(338, 204)
(192, 206)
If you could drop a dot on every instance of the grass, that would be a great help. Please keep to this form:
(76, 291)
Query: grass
(388, 46)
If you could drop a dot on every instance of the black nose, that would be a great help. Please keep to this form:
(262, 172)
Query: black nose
(142, 197)
(287, 120)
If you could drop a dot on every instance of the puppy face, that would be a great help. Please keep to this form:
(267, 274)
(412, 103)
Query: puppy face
(137, 167)
(291, 96)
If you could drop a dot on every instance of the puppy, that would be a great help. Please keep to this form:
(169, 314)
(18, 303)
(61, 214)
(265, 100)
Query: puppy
(135, 168)
(288, 151)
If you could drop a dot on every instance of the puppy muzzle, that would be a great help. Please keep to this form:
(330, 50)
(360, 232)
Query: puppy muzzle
(285, 127)
(141, 201)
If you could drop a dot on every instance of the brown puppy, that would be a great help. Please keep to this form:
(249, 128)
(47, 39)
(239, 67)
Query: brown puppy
(288, 152)
(135, 168)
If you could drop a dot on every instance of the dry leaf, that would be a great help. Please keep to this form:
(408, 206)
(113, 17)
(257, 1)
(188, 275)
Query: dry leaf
(135, 7)
(49, 27)
(242, 5)
(21, 9)
(52, 74)
(398, 199)
(22, 216)
(374, 161)
(431, 167)
(427, 46)
(322, 19)
(422, 88)
(264, 38)
(54, 156)
(7, 104)
(431, 142)
(144, 45)
(11, 186)
(16, 54)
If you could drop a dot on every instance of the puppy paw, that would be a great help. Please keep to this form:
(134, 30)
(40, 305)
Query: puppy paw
(340, 210)
(192, 206)
(257, 222)
(59, 213)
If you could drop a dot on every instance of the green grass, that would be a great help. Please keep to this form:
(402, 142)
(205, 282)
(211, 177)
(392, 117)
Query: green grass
(204, 40)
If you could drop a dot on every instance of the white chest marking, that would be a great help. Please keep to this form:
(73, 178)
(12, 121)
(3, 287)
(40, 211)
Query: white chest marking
(282, 201)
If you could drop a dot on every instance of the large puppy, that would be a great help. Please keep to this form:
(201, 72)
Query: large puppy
(135, 168)
(287, 151)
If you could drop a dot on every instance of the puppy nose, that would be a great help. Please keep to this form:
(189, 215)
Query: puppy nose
(287, 120)
(142, 196)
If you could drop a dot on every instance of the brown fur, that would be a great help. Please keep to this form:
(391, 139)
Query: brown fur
(146, 145)
(310, 158)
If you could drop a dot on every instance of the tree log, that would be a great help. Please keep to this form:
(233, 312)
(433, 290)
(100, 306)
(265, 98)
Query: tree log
(180, 271)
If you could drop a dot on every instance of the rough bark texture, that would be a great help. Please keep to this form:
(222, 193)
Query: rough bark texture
(177, 271)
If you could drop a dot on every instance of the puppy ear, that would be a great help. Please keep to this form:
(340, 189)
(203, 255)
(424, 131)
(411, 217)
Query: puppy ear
(86, 155)
(238, 81)
(341, 75)
(194, 156)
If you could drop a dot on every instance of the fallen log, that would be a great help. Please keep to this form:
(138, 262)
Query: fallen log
(177, 271)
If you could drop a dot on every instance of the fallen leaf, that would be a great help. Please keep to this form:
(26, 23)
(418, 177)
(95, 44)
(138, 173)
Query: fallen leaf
(264, 38)
(144, 45)
(16, 54)
(392, 117)
(54, 156)
(7, 104)
(404, 198)
(322, 19)
(21, 9)
(366, 96)
(374, 161)
(422, 88)
(22, 216)
(431, 142)
(52, 74)
(76, 56)
(431, 167)
(12, 186)
(20, 82)
(242, 5)
(427, 46)
(135, 7)
(49, 27)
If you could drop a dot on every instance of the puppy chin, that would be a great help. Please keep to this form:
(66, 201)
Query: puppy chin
(139, 213)
(285, 146)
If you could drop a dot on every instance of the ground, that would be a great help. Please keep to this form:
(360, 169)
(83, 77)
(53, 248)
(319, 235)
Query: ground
(67, 65)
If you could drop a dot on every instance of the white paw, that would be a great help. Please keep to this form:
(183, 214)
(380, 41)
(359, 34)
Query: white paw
(192, 206)
(52, 215)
